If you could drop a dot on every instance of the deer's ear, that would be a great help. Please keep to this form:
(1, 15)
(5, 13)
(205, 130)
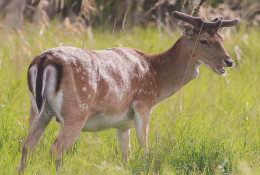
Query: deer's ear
(188, 31)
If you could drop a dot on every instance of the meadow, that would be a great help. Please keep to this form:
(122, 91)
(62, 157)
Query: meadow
(210, 127)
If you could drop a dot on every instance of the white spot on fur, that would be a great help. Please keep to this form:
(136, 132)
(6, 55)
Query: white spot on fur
(83, 106)
(84, 89)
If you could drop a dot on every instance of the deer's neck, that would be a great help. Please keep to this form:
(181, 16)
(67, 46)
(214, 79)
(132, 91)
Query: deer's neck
(174, 68)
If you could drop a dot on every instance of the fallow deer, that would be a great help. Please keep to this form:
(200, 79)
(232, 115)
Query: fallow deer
(93, 90)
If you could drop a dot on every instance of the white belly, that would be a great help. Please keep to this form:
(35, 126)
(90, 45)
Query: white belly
(99, 122)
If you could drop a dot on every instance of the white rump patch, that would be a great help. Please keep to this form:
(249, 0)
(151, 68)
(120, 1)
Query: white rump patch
(48, 86)
(33, 72)
(56, 103)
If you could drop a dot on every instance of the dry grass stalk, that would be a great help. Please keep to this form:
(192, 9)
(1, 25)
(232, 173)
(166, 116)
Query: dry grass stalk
(124, 21)
(83, 22)
(13, 13)
(40, 16)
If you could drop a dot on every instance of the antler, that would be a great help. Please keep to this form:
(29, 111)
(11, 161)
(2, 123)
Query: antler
(196, 22)
(229, 23)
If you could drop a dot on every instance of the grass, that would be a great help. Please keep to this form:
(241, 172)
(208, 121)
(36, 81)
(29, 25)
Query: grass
(212, 128)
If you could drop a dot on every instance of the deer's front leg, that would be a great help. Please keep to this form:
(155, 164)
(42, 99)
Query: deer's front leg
(142, 116)
(123, 137)
(36, 127)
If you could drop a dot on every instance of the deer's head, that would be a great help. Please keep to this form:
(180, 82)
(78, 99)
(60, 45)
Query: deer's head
(209, 50)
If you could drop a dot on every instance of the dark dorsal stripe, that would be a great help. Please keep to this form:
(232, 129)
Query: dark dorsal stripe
(39, 82)
(58, 68)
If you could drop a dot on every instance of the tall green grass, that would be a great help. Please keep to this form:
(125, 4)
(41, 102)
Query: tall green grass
(211, 127)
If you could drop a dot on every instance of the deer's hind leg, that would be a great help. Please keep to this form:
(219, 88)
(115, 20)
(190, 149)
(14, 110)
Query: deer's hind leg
(71, 127)
(37, 125)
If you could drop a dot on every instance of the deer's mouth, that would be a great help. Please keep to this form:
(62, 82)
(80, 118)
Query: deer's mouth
(219, 70)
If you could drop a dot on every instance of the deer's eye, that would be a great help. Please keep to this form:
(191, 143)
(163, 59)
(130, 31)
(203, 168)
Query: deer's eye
(204, 42)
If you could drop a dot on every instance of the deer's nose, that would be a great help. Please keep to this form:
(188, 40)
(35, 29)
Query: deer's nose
(228, 62)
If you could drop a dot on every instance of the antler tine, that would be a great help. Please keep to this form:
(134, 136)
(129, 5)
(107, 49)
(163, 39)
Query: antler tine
(196, 22)
(229, 23)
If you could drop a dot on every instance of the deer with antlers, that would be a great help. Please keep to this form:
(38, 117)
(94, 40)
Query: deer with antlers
(93, 90)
